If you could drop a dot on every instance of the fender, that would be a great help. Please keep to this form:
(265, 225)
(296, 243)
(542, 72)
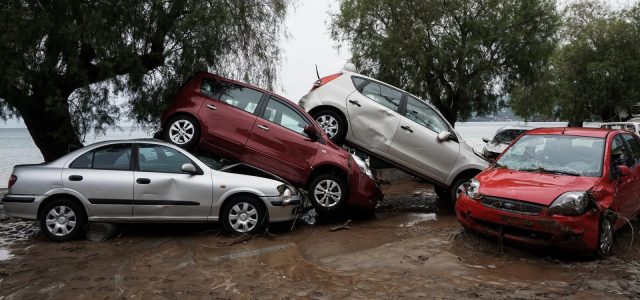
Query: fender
(216, 205)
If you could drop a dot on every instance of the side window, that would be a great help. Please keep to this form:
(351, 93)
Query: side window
(156, 158)
(113, 157)
(83, 162)
(239, 96)
(424, 115)
(619, 154)
(382, 94)
(634, 146)
(284, 116)
(357, 81)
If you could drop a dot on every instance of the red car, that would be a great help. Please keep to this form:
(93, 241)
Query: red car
(565, 187)
(248, 124)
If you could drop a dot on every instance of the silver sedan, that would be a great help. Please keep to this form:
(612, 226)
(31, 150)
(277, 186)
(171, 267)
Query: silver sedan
(142, 180)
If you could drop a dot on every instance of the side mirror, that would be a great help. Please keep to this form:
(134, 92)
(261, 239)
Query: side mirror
(311, 131)
(444, 136)
(624, 171)
(189, 168)
(486, 140)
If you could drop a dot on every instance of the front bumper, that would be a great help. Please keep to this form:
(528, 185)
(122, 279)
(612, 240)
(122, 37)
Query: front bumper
(365, 193)
(566, 232)
(281, 210)
(21, 206)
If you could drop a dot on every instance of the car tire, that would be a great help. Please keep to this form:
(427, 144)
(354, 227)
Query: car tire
(243, 215)
(605, 237)
(62, 220)
(183, 131)
(456, 188)
(328, 193)
(333, 124)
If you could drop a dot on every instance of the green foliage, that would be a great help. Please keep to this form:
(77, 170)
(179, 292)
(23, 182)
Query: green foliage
(595, 70)
(65, 62)
(462, 55)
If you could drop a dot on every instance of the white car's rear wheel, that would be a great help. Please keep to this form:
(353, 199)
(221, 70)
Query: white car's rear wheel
(333, 124)
(62, 220)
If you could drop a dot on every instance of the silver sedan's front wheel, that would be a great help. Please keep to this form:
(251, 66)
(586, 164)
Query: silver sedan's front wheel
(243, 215)
(328, 193)
(62, 219)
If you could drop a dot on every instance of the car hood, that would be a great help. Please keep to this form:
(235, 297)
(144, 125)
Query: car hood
(530, 187)
(496, 147)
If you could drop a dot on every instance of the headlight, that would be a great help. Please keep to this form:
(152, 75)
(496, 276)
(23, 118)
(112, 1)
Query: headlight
(362, 165)
(473, 189)
(286, 190)
(570, 203)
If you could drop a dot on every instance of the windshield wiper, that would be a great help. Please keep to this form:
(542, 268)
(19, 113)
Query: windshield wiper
(543, 170)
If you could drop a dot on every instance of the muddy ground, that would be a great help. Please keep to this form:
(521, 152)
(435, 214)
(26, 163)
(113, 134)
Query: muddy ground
(402, 252)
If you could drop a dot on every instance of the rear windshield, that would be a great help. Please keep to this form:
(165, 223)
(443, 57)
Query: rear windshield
(555, 154)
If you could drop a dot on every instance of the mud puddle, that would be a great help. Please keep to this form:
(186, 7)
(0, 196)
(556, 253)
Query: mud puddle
(411, 249)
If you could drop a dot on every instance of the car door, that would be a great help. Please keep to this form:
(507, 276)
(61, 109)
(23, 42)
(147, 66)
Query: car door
(626, 187)
(373, 115)
(633, 144)
(278, 143)
(104, 176)
(163, 192)
(415, 144)
(227, 115)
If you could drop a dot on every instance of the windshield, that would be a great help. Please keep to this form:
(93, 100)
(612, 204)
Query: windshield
(508, 135)
(555, 154)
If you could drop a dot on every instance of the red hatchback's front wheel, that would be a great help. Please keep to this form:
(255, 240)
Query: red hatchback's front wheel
(605, 237)
(328, 193)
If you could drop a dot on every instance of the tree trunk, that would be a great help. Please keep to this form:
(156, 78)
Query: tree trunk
(50, 127)
(450, 115)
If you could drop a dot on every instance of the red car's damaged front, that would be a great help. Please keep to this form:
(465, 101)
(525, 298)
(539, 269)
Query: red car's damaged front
(567, 188)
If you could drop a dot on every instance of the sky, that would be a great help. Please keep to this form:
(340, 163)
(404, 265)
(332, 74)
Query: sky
(309, 44)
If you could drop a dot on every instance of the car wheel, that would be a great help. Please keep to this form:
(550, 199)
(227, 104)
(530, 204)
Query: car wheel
(243, 215)
(183, 131)
(328, 193)
(605, 237)
(62, 220)
(457, 188)
(333, 124)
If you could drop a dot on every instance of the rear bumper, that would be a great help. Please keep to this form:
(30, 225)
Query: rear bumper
(21, 206)
(565, 232)
(365, 193)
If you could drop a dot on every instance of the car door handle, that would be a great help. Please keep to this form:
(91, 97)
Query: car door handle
(407, 128)
(211, 107)
(75, 178)
(354, 102)
(265, 128)
(143, 180)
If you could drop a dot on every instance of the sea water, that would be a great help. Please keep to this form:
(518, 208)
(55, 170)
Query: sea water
(17, 147)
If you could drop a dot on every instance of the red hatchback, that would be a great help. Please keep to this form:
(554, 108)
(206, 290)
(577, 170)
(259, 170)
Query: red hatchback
(245, 123)
(564, 187)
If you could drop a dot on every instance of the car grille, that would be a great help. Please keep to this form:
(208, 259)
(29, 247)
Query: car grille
(513, 206)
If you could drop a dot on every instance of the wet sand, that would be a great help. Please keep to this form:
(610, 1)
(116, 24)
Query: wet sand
(402, 252)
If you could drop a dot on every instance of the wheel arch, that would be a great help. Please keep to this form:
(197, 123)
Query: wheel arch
(471, 172)
(61, 195)
(329, 168)
(230, 196)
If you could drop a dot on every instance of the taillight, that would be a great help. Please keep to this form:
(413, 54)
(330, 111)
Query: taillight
(12, 180)
(324, 80)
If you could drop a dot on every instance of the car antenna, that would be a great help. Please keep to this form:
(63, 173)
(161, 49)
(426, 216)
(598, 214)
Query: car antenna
(317, 73)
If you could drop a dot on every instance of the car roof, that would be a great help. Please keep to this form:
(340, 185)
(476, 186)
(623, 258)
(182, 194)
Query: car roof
(379, 81)
(576, 131)
(511, 127)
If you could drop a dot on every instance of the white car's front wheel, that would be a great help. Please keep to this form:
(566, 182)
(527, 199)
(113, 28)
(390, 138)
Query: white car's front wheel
(243, 215)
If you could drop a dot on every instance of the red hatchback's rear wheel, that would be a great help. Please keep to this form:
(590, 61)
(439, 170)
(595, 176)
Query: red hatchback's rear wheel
(183, 131)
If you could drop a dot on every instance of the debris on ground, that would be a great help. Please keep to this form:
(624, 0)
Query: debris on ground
(341, 227)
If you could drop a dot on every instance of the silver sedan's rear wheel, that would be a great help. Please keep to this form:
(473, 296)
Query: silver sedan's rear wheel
(62, 219)
(333, 123)
(183, 131)
(328, 193)
(243, 215)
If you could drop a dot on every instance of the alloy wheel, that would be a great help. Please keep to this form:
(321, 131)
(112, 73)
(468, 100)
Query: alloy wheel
(327, 193)
(181, 132)
(606, 236)
(243, 217)
(329, 124)
(61, 220)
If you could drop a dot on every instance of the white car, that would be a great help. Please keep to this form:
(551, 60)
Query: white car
(631, 126)
(501, 140)
(394, 126)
